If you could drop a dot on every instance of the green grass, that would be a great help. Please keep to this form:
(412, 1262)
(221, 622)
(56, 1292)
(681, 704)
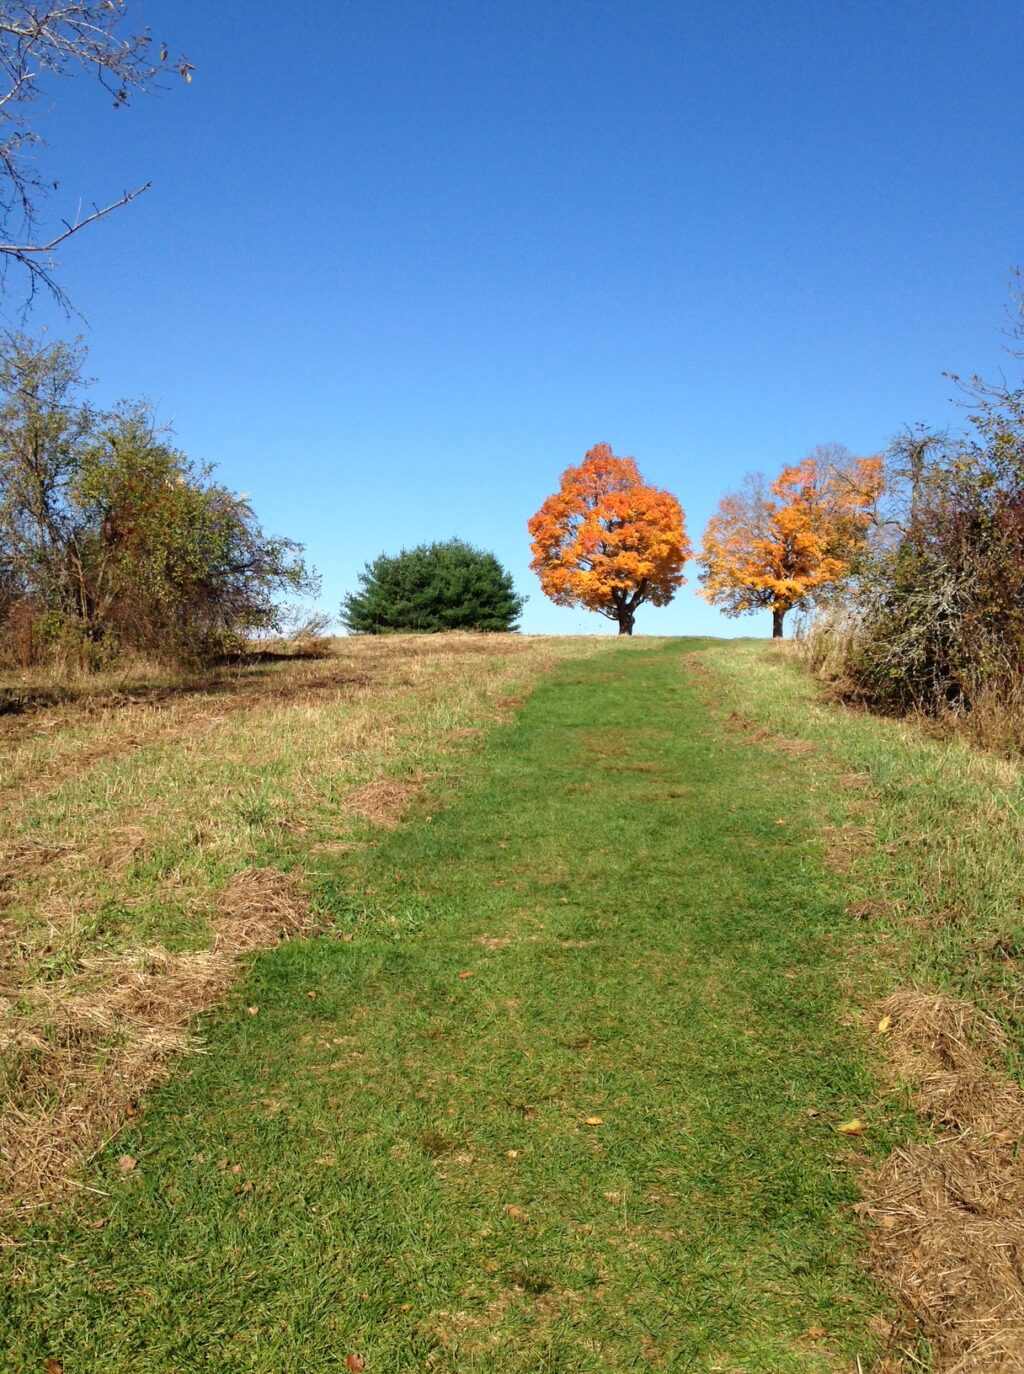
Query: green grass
(937, 879)
(652, 938)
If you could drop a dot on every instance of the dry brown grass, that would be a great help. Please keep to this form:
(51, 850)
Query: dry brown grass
(144, 815)
(950, 1213)
(88, 1045)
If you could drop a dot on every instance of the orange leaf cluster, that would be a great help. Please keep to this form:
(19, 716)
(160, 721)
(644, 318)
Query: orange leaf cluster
(607, 541)
(776, 549)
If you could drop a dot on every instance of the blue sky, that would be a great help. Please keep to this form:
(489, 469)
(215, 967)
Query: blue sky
(402, 263)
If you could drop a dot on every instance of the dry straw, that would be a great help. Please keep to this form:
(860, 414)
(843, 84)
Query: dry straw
(104, 1035)
(950, 1237)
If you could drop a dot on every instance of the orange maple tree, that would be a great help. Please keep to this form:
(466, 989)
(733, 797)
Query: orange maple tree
(783, 547)
(608, 541)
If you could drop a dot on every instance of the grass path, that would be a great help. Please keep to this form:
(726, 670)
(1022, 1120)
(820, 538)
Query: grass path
(565, 1100)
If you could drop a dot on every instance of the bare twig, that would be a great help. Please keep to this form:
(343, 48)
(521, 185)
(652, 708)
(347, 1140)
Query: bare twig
(40, 39)
(19, 250)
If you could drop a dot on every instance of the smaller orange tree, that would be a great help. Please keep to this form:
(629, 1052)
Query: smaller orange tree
(607, 541)
(783, 547)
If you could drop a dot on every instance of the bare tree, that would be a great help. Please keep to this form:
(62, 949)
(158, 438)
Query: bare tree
(40, 39)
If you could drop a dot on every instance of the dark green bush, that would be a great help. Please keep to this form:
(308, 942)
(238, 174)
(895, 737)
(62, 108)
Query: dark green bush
(434, 587)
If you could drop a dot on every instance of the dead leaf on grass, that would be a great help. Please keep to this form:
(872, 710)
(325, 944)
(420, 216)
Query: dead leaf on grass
(852, 1127)
(593, 1121)
(517, 1213)
(126, 1163)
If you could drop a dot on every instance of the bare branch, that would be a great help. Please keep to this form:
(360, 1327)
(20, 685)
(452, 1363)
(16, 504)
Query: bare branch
(19, 250)
(40, 39)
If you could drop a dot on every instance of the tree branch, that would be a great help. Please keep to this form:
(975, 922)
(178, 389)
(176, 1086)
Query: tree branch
(21, 250)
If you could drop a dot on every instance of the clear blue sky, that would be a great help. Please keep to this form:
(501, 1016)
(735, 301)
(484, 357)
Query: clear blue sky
(402, 263)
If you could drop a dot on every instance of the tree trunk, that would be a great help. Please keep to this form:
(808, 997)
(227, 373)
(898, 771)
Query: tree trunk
(625, 621)
(777, 616)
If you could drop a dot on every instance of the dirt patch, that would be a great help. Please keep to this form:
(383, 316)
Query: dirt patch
(738, 723)
(847, 845)
(949, 1237)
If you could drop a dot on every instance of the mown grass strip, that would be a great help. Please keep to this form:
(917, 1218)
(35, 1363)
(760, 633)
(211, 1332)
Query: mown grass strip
(928, 832)
(567, 1098)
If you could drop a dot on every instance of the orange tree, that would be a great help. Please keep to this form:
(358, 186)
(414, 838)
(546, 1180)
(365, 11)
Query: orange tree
(607, 541)
(784, 546)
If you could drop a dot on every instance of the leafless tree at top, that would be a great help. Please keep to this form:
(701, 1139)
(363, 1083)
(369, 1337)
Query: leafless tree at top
(40, 39)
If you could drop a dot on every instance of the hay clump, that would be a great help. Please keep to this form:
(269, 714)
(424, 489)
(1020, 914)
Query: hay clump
(951, 1212)
(384, 802)
(258, 908)
(95, 1041)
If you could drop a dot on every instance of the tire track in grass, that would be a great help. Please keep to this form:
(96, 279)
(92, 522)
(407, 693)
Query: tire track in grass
(566, 1100)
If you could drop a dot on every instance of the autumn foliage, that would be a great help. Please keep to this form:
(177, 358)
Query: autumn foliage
(607, 541)
(784, 546)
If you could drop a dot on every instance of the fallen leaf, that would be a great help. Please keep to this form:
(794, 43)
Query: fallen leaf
(99, 1223)
(253, 1011)
(466, 973)
(884, 1024)
(1004, 1137)
(311, 994)
(887, 1220)
(512, 1154)
(815, 1333)
(593, 1121)
(355, 1363)
(813, 1112)
(517, 1213)
(853, 1127)
(53, 1367)
(613, 1197)
(126, 1163)
(236, 1168)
